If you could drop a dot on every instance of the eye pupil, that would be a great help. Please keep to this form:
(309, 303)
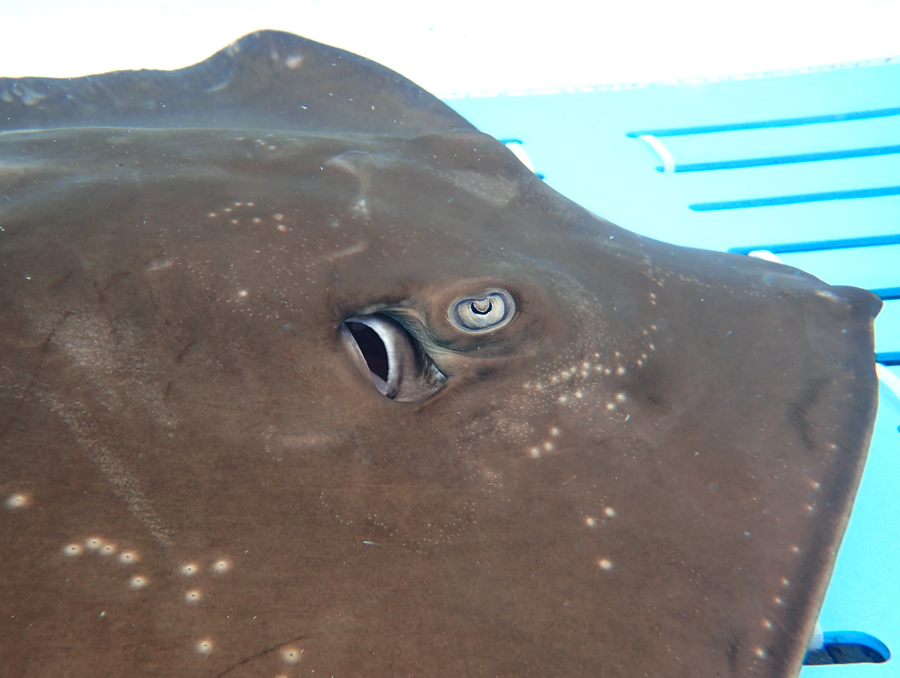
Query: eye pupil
(482, 306)
(485, 312)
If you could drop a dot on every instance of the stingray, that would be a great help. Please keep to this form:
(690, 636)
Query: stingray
(303, 375)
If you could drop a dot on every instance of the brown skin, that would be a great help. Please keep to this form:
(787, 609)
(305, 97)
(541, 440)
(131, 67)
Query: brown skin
(646, 472)
(175, 386)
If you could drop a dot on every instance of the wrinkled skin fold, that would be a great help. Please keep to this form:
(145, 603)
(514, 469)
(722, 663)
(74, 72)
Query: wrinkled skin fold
(617, 457)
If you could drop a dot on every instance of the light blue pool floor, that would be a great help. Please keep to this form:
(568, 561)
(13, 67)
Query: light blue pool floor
(823, 166)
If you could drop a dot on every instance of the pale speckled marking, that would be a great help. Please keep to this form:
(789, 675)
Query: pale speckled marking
(129, 557)
(122, 481)
(290, 654)
(587, 380)
(304, 263)
(139, 582)
(73, 549)
(18, 500)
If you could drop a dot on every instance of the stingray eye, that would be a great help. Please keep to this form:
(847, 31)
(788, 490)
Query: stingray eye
(488, 311)
(392, 359)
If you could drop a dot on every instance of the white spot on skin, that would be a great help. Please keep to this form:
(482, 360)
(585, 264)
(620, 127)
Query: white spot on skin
(778, 600)
(138, 582)
(554, 431)
(128, 557)
(212, 215)
(278, 217)
(620, 371)
(827, 295)
(620, 397)
(761, 653)
(610, 512)
(290, 654)
(93, 543)
(160, 264)
(221, 566)
(548, 447)
(766, 624)
(17, 501)
(108, 549)
(605, 564)
(347, 251)
(204, 646)
(72, 550)
(293, 61)
(193, 596)
(795, 548)
(590, 522)
(30, 97)
(534, 452)
(189, 569)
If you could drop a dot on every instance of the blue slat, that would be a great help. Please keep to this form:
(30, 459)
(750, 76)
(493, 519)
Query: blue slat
(761, 124)
(887, 293)
(818, 245)
(785, 159)
(794, 199)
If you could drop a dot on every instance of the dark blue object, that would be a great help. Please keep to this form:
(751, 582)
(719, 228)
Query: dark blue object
(848, 647)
